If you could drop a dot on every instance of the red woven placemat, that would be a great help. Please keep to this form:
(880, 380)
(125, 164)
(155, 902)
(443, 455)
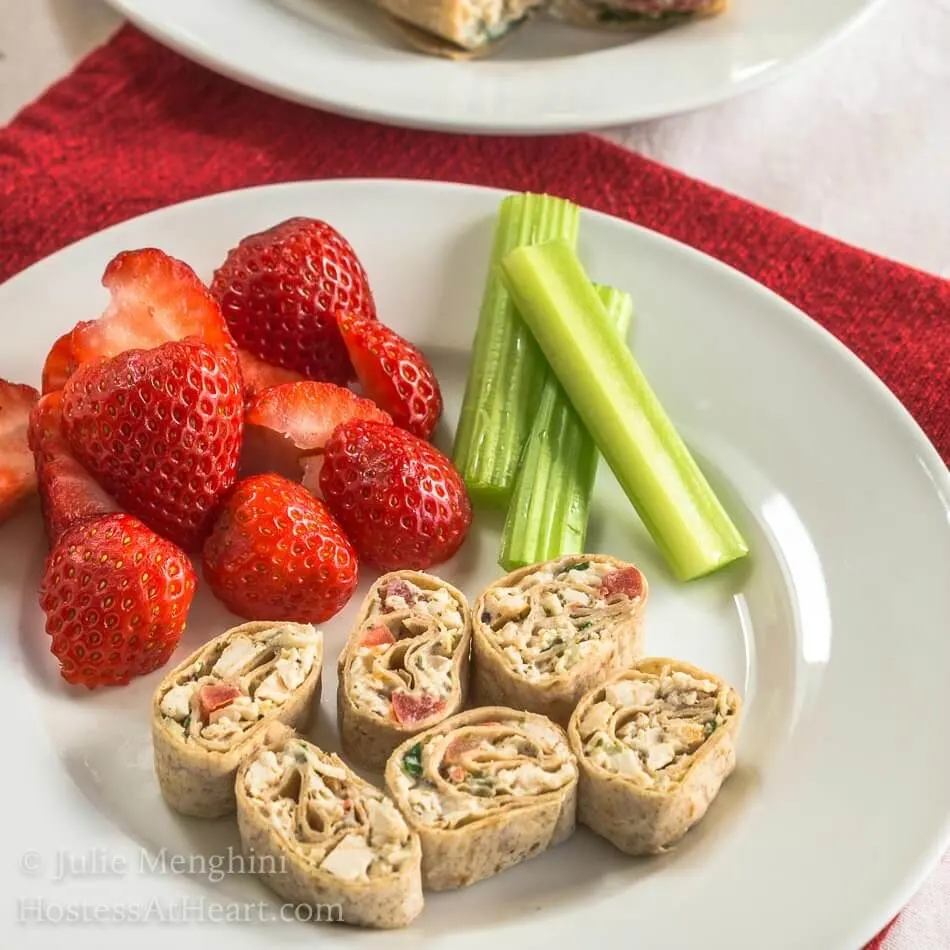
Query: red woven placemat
(136, 127)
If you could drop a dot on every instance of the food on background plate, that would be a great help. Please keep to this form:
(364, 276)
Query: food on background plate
(545, 634)
(635, 15)
(160, 430)
(276, 553)
(68, 493)
(395, 374)
(550, 501)
(17, 473)
(399, 499)
(485, 790)
(280, 291)
(507, 369)
(566, 315)
(116, 598)
(459, 29)
(322, 836)
(212, 711)
(654, 745)
(286, 424)
(405, 666)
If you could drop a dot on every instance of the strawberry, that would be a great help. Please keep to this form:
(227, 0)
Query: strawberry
(258, 375)
(116, 597)
(281, 289)
(276, 553)
(58, 364)
(393, 373)
(17, 475)
(68, 493)
(160, 430)
(401, 501)
(155, 299)
(285, 424)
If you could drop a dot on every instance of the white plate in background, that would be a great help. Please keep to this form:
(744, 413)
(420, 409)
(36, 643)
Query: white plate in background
(339, 55)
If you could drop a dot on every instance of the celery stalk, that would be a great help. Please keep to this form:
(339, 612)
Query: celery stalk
(620, 410)
(550, 503)
(506, 369)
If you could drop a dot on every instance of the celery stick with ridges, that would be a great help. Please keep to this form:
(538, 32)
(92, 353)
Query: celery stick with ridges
(506, 368)
(620, 410)
(550, 504)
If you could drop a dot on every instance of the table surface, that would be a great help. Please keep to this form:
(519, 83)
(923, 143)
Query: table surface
(854, 143)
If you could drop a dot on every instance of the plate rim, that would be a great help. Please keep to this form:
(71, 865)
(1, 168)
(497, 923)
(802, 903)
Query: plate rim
(916, 872)
(188, 47)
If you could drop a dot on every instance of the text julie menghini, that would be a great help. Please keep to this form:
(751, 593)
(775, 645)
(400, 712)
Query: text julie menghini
(99, 862)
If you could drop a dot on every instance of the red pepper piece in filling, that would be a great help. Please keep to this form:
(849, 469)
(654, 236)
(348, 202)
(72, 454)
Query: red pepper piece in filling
(214, 696)
(410, 708)
(625, 583)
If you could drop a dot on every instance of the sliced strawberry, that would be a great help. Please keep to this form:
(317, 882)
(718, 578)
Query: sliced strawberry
(58, 363)
(400, 500)
(285, 424)
(376, 637)
(393, 373)
(68, 493)
(280, 291)
(160, 430)
(259, 375)
(411, 708)
(155, 299)
(17, 473)
(116, 597)
(627, 582)
(277, 554)
(214, 696)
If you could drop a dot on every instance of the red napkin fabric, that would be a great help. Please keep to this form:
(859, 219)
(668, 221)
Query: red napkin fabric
(136, 127)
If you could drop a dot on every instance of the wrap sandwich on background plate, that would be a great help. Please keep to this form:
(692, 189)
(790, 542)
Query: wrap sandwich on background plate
(485, 790)
(458, 29)
(637, 16)
(654, 746)
(212, 711)
(322, 836)
(545, 634)
(405, 666)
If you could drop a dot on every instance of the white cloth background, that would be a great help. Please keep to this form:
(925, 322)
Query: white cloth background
(854, 143)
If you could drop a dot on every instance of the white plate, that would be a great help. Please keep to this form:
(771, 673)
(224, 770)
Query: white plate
(835, 631)
(339, 55)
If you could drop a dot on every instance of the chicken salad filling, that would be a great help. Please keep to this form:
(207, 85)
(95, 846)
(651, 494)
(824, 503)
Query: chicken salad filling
(238, 681)
(404, 662)
(555, 616)
(648, 728)
(453, 778)
(336, 822)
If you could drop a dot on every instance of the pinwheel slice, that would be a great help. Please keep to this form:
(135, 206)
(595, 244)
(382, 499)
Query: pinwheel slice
(635, 15)
(459, 29)
(322, 836)
(654, 746)
(485, 790)
(212, 711)
(406, 664)
(545, 634)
